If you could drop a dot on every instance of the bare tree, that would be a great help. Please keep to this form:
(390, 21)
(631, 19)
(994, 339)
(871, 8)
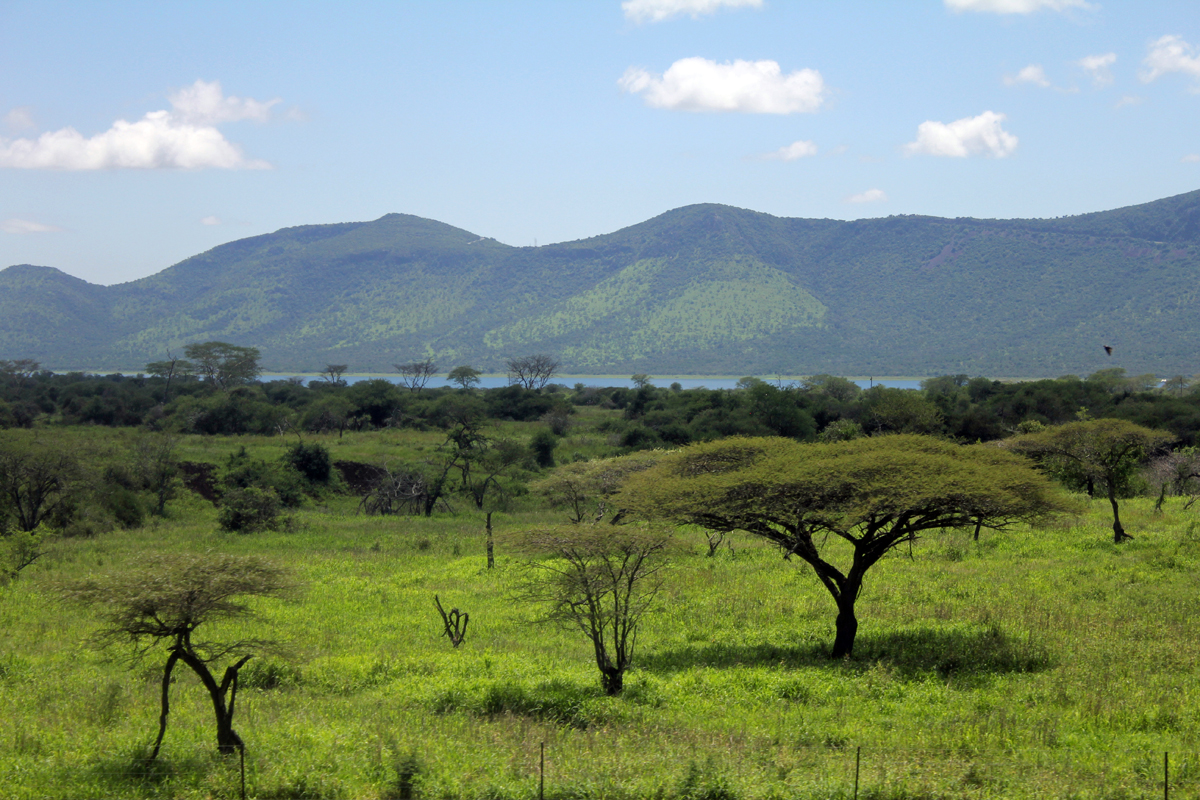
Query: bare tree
(415, 374)
(168, 369)
(601, 580)
(532, 372)
(166, 600)
(332, 374)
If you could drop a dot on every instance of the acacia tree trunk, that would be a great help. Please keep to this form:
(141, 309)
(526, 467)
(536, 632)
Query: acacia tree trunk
(228, 742)
(846, 628)
(1119, 534)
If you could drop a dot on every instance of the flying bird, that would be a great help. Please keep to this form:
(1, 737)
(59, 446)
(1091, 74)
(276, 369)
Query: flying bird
(1108, 349)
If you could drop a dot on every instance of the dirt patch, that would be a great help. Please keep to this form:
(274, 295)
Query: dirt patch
(360, 477)
(201, 478)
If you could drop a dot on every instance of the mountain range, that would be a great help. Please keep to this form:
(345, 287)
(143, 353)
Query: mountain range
(705, 289)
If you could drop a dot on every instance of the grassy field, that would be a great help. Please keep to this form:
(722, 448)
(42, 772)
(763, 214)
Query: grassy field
(1032, 664)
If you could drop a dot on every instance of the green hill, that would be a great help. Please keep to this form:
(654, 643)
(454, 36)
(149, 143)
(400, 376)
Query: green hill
(705, 289)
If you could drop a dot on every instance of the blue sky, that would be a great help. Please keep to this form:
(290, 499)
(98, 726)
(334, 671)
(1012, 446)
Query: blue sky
(133, 135)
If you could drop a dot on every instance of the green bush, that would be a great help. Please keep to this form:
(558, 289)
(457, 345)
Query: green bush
(311, 460)
(249, 510)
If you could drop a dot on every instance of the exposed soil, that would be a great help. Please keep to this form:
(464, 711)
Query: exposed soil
(201, 478)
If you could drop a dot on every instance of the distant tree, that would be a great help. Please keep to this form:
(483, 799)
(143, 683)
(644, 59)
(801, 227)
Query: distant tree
(223, 364)
(37, 482)
(601, 580)
(1176, 385)
(888, 410)
(415, 374)
(872, 494)
(832, 386)
(18, 369)
(586, 488)
(158, 468)
(168, 369)
(166, 600)
(332, 374)
(466, 377)
(532, 372)
(640, 380)
(1104, 451)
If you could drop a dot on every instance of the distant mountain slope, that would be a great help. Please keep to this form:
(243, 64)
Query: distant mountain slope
(705, 289)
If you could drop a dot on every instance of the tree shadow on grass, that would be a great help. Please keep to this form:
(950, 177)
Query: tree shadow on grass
(911, 653)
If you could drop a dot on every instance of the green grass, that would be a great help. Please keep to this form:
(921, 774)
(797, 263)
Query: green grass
(1035, 663)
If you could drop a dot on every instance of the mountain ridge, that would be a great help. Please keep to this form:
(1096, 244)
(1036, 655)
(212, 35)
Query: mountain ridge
(705, 288)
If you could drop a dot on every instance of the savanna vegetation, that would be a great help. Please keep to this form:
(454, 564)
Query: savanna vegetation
(199, 569)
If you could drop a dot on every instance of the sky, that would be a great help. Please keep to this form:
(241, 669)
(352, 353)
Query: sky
(134, 135)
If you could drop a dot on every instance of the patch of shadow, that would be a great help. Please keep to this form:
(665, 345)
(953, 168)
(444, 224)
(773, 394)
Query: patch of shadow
(201, 478)
(910, 653)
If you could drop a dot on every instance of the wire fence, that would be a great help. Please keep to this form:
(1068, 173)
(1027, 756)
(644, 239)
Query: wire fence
(841, 772)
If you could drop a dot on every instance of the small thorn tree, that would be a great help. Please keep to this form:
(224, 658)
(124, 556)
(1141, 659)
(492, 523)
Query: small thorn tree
(166, 600)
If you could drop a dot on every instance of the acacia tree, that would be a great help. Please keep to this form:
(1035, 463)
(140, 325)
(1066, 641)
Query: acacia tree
(1104, 451)
(166, 601)
(873, 494)
(36, 483)
(226, 365)
(601, 580)
(532, 372)
(465, 376)
(415, 374)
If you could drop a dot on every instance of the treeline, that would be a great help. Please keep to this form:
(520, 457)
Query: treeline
(822, 407)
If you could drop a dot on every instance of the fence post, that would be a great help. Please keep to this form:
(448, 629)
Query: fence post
(242, 755)
(1166, 776)
(542, 773)
(857, 762)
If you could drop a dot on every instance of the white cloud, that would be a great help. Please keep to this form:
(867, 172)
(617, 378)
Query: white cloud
(1191, 158)
(1014, 6)
(753, 87)
(183, 138)
(210, 220)
(1170, 54)
(203, 104)
(26, 226)
(794, 151)
(1032, 74)
(869, 196)
(640, 11)
(1097, 67)
(981, 135)
(1129, 100)
(20, 118)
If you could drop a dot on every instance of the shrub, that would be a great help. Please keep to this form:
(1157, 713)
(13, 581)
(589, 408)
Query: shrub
(311, 460)
(249, 510)
(542, 444)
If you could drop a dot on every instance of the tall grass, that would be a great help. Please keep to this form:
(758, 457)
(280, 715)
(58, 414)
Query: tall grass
(1034, 663)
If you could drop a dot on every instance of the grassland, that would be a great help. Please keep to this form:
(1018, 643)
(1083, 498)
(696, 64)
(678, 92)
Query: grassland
(1035, 663)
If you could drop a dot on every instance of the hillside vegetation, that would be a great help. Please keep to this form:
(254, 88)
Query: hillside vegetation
(705, 289)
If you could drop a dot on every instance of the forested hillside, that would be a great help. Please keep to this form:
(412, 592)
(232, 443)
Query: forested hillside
(705, 289)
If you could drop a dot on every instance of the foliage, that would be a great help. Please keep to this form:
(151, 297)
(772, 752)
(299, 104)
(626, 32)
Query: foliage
(20, 549)
(415, 374)
(465, 376)
(1104, 451)
(249, 509)
(600, 579)
(532, 372)
(226, 365)
(37, 483)
(873, 494)
(166, 601)
(312, 461)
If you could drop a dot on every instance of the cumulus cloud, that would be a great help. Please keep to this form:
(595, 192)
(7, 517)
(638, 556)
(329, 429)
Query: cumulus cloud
(210, 220)
(1191, 158)
(26, 226)
(1097, 67)
(640, 11)
(1014, 6)
(752, 87)
(20, 119)
(793, 151)
(1032, 74)
(981, 135)
(185, 137)
(869, 196)
(1170, 54)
